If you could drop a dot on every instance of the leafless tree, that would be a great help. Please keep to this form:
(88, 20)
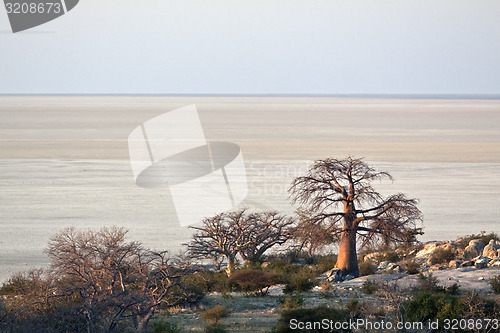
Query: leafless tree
(25, 296)
(262, 231)
(476, 306)
(397, 297)
(311, 236)
(340, 194)
(115, 279)
(219, 236)
(249, 235)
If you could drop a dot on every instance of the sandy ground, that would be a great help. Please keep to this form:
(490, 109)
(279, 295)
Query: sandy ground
(64, 161)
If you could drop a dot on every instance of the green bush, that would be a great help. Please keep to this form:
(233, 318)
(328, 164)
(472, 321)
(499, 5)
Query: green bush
(440, 256)
(310, 315)
(293, 302)
(495, 284)
(215, 328)
(164, 326)
(370, 287)
(207, 281)
(290, 257)
(426, 305)
(454, 289)
(253, 280)
(366, 268)
(299, 282)
(429, 283)
(324, 263)
(215, 314)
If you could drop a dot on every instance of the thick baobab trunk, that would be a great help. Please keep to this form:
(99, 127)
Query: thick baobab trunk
(230, 265)
(347, 260)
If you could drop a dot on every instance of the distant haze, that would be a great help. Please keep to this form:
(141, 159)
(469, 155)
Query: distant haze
(258, 47)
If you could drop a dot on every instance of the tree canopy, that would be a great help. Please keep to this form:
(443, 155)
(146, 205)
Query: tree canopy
(340, 194)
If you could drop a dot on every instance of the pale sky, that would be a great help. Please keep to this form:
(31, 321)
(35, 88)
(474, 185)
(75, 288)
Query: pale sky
(258, 47)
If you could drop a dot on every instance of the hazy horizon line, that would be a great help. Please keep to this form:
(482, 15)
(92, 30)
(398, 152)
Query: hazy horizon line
(367, 96)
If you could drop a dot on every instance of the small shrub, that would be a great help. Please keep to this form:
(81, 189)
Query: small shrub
(366, 268)
(215, 328)
(290, 257)
(369, 287)
(440, 256)
(293, 302)
(354, 308)
(164, 326)
(478, 306)
(495, 284)
(324, 263)
(299, 282)
(253, 280)
(412, 267)
(388, 255)
(215, 314)
(284, 269)
(208, 281)
(454, 289)
(316, 314)
(427, 305)
(429, 283)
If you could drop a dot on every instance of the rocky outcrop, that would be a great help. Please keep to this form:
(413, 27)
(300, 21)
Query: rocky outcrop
(481, 262)
(474, 249)
(427, 250)
(492, 250)
(434, 256)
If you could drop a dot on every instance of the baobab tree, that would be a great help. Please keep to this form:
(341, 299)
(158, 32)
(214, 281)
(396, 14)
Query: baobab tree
(218, 237)
(248, 235)
(339, 194)
(262, 231)
(311, 236)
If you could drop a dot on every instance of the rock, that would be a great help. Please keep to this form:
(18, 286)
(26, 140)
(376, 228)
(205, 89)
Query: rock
(480, 278)
(481, 263)
(467, 263)
(384, 265)
(276, 290)
(334, 275)
(427, 250)
(328, 275)
(474, 249)
(391, 266)
(494, 263)
(437, 268)
(412, 252)
(398, 269)
(492, 249)
(455, 263)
